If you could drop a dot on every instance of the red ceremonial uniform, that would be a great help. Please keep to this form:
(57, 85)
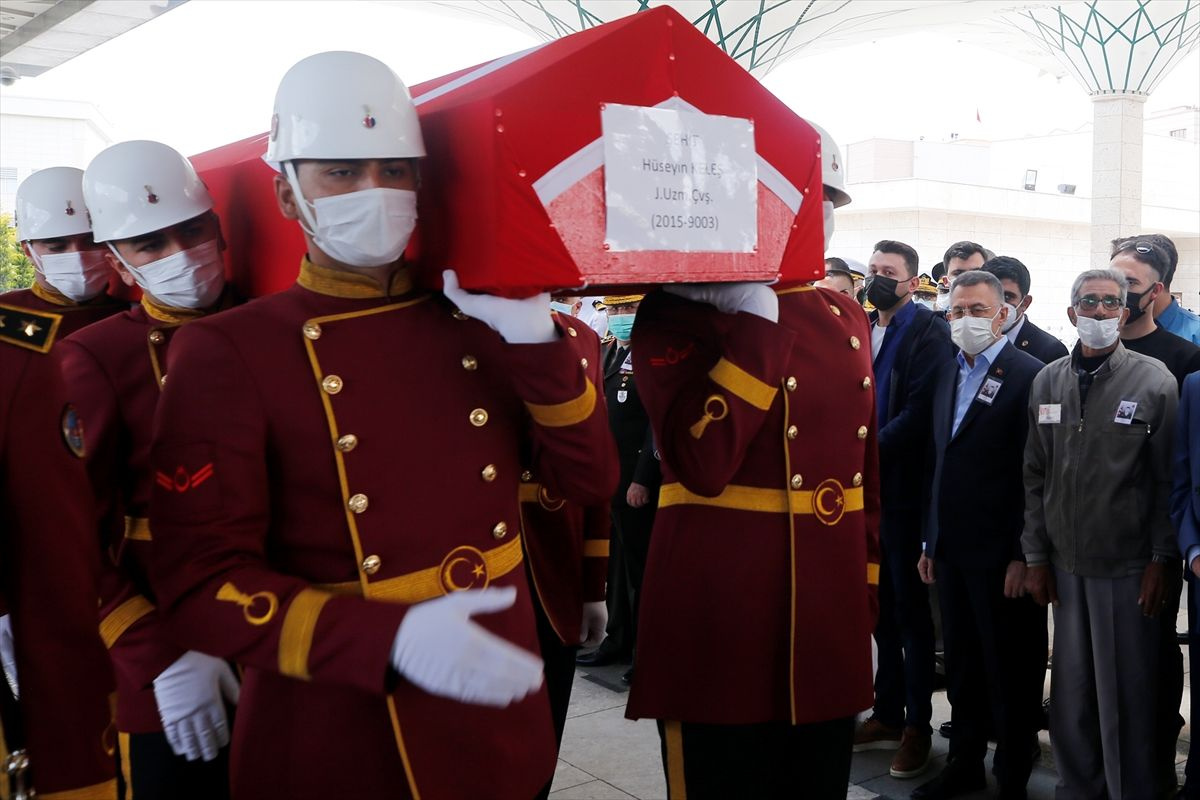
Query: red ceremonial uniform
(114, 371)
(766, 539)
(358, 454)
(48, 567)
(566, 544)
(73, 315)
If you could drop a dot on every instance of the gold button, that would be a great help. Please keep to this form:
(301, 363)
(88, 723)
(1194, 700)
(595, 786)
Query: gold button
(156, 337)
(855, 343)
(837, 312)
(500, 531)
(857, 481)
(458, 314)
(793, 431)
(332, 384)
(862, 431)
(347, 443)
(488, 473)
(371, 564)
(791, 384)
(867, 382)
(357, 503)
(797, 481)
(479, 418)
(312, 330)
(583, 362)
(470, 363)
(526, 476)
(572, 332)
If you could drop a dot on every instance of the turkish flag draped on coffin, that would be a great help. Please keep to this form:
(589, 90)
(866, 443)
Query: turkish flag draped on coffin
(513, 190)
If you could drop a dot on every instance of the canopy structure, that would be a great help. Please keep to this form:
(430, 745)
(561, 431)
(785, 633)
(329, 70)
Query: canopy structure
(36, 35)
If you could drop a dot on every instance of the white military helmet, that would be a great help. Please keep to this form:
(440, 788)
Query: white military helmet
(50, 204)
(139, 187)
(833, 168)
(343, 105)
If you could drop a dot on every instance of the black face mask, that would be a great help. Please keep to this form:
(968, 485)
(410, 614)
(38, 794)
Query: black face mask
(881, 291)
(1133, 301)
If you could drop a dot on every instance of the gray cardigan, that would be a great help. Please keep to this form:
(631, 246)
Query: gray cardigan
(1096, 490)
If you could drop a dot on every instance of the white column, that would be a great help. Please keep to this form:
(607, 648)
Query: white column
(1116, 170)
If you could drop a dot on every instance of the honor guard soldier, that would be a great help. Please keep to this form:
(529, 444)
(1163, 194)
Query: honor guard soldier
(566, 557)
(337, 482)
(154, 215)
(71, 273)
(48, 569)
(765, 542)
(636, 497)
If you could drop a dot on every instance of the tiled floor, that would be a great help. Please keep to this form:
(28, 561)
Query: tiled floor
(607, 757)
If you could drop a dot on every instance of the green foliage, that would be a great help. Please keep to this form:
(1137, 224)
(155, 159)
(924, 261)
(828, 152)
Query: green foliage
(16, 271)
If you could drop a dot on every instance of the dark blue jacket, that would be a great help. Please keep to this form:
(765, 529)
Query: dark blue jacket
(922, 348)
(977, 500)
(1185, 483)
(1045, 347)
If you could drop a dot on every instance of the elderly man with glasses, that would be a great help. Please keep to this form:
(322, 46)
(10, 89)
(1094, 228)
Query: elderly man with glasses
(1097, 538)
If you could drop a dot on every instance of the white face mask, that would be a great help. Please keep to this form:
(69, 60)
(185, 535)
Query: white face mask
(1012, 320)
(827, 210)
(368, 228)
(973, 335)
(80, 276)
(1097, 334)
(191, 278)
(943, 301)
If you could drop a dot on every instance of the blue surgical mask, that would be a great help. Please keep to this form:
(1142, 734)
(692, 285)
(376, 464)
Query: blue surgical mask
(621, 326)
(562, 308)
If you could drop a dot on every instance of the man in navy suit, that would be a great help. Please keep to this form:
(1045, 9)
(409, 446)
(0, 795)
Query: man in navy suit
(1185, 513)
(908, 344)
(1019, 328)
(995, 637)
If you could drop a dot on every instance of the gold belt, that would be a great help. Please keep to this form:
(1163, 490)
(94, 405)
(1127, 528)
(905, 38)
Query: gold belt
(828, 501)
(138, 529)
(464, 567)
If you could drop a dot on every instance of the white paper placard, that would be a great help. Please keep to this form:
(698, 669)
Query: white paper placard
(679, 180)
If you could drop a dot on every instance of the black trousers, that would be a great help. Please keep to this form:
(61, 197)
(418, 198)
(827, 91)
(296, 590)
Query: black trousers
(631, 529)
(1170, 682)
(156, 773)
(559, 668)
(772, 760)
(904, 633)
(1191, 786)
(995, 668)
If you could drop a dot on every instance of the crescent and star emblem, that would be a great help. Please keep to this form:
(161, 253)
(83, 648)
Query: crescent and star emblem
(829, 501)
(464, 563)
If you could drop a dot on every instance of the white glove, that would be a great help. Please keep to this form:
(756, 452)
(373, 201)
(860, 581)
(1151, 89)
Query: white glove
(753, 298)
(8, 654)
(190, 696)
(591, 629)
(525, 321)
(440, 649)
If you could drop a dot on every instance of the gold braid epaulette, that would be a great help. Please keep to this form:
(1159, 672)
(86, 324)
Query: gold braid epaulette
(32, 330)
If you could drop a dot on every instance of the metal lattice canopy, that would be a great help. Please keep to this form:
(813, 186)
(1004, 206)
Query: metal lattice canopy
(759, 34)
(1116, 46)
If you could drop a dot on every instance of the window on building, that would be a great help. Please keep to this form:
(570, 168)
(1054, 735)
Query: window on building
(1179, 133)
(8, 180)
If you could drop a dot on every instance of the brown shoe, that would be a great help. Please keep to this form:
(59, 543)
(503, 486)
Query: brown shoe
(913, 756)
(871, 734)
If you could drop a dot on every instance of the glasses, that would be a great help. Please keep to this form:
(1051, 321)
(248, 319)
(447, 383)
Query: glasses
(958, 312)
(1089, 302)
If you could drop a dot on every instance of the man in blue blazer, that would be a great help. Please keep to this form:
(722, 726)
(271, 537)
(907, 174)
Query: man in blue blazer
(995, 637)
(1185, 513)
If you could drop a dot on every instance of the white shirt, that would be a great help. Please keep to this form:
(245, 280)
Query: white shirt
(877, 334)
(1015, 331)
